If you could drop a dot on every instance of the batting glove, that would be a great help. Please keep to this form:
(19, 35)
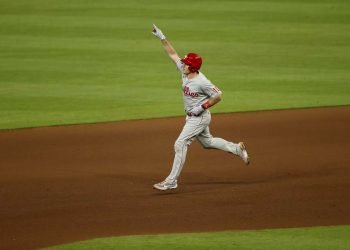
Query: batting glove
(157, 32)
(196, 111)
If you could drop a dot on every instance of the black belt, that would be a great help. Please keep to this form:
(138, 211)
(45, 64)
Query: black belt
(190, 114)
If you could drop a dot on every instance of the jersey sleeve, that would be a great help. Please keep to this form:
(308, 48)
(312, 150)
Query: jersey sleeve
(210, 89)
(179, 66)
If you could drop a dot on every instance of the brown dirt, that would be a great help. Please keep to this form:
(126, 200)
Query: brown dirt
(65, 184)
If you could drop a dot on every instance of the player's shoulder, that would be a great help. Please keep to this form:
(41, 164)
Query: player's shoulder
(203, 78)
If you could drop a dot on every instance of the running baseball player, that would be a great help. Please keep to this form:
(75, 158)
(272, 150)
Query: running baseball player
(199, 94)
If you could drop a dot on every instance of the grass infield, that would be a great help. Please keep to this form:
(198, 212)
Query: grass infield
(67, 62)
(317, 238)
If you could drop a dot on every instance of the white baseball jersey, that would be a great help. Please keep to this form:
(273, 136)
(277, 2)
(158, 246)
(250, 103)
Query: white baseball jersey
(197, 90)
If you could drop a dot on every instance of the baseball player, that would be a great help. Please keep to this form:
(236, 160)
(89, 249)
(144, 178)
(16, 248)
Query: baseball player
(199, 94)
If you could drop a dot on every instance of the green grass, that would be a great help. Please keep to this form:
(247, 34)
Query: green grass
(318, 238)
(82, 61)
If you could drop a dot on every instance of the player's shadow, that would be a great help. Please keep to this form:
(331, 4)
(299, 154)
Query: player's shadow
(198, 187)
(203, 186)
(206, 183)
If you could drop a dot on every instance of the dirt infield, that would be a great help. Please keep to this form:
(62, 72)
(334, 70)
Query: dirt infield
(71, 183)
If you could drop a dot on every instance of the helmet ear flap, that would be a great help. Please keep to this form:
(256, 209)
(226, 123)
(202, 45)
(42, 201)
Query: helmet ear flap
(192, 69)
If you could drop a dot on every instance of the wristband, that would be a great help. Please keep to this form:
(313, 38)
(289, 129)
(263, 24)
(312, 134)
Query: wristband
(206, 105)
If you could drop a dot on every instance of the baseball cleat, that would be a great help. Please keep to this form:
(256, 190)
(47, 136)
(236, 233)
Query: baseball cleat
(243, 153)
(164, 185)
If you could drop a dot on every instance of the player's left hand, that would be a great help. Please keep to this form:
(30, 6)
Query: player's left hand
(196, 111)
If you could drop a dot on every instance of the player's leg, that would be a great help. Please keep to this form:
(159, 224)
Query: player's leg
(192, 128)
(210, 142)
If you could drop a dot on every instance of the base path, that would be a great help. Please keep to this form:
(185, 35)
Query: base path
(72, 183)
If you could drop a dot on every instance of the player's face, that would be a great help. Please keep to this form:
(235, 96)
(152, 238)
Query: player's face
(186, 69)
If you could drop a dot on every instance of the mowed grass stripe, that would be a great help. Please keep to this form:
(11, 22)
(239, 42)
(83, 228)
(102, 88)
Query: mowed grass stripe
(67, 62)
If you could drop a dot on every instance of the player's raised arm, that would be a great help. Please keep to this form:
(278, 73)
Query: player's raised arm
(166, 44)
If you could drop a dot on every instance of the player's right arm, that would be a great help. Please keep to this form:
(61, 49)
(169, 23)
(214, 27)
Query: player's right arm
(169, 49)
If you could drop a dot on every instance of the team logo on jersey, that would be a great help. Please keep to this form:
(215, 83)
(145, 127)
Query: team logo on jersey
(216, 89)
(189, 93)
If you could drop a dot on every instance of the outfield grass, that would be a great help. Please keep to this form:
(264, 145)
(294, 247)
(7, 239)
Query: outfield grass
(318, 238)
(81, 61)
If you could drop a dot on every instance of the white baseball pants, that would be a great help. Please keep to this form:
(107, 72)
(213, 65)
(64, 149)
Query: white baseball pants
(197, 127)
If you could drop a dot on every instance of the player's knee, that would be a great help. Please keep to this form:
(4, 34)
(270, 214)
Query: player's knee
(178, 146)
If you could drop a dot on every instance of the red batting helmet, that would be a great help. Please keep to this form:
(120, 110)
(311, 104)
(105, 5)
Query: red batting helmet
(193, 60)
